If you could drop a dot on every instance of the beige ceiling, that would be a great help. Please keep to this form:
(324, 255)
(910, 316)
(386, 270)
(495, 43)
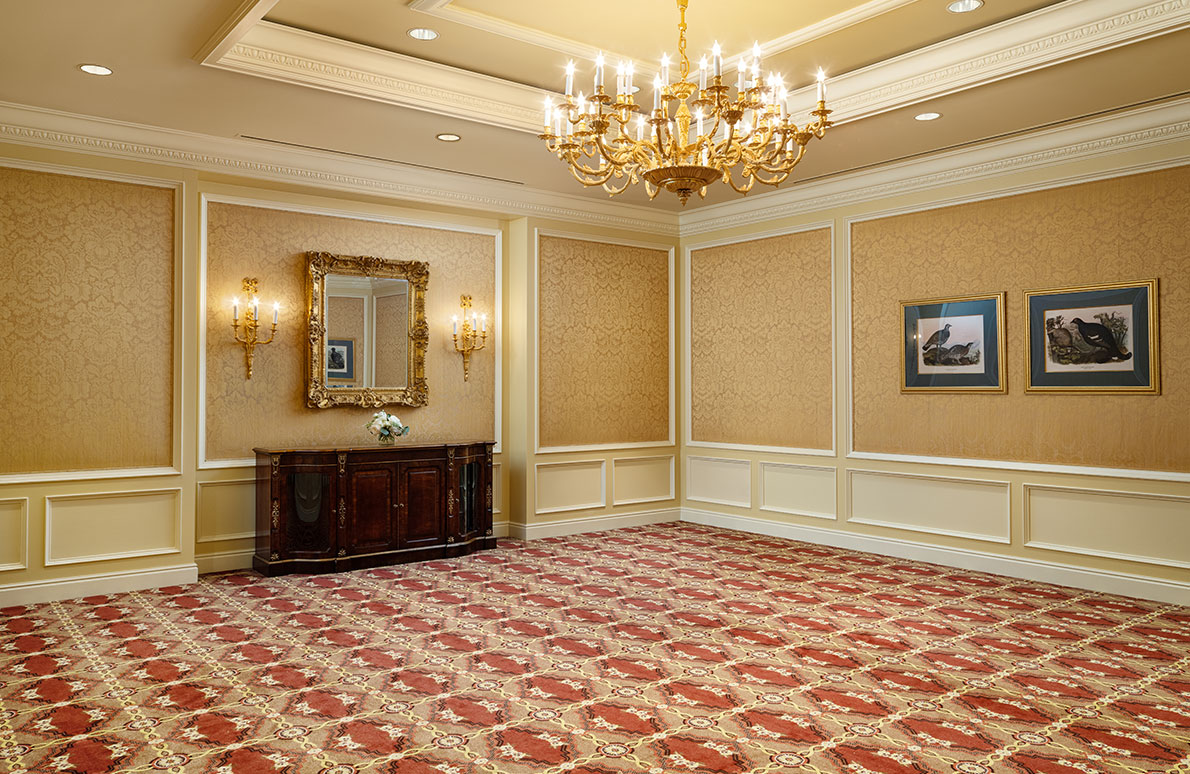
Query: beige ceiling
(153, 45)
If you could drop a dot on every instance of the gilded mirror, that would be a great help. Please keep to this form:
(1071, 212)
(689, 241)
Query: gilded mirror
(368, 332)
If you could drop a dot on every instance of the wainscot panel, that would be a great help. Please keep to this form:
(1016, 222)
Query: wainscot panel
(571, 486)
(642, 479)
(965, 508)
(719, 480)
(112, 525)
(801, 490)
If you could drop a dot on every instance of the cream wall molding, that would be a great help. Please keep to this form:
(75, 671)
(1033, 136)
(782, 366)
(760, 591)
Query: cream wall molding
(1071, 549)
(40, 127)
(578, 506)
(1004, 538)
(309, 209)
(726, 462)
(1089, 139)
(1105, 581)
(50, 500)
(1044, 38)
(1001, 465)
(764, 504)
(686, 344)
(565, 527)
(23, 541)
(201, 538)
(641, 500)
(538, 448)
(36, 592)
(497, 488)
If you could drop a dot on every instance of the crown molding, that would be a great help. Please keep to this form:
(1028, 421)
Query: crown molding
(1094, 138)
(281, 53)
(243, 19)
(40, 127)
(1044, 38)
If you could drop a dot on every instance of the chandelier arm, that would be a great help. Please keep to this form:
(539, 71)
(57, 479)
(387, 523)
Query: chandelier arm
(613, 190)
(596, 179)
(727, 178)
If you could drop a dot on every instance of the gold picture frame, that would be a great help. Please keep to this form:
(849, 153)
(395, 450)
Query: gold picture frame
(977, 322)
(1077, 356)
(319, 394)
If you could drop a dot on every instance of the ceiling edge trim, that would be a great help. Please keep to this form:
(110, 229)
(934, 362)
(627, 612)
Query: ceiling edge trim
(1044, 38)
(25, 125)
(1154, 125)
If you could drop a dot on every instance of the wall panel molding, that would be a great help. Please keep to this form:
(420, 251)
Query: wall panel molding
(669, 475)
(586, 480)
(706, 476)
(16, 551)
(1163, 530)
(95, 503)
(199, 535)
(790, 507)
(940, 501)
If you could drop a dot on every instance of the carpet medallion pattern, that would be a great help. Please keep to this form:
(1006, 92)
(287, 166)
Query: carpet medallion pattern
(672, 648)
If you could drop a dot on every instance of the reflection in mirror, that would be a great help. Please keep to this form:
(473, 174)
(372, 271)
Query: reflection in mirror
(368, 332)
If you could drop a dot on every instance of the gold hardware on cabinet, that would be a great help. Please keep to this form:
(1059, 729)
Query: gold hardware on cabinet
(342, 463)
(342, 552)
(489, 497)
(276, 463)
(276, 513)
(450, 502)
(342, 512)
(450, 539)
(274, 556)
(488, 533)
(473, 336)
(249, 337)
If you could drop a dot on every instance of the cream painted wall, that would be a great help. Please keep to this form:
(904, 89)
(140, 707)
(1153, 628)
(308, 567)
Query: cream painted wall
(1115, 530)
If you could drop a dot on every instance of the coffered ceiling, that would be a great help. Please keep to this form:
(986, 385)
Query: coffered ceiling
(344, 76)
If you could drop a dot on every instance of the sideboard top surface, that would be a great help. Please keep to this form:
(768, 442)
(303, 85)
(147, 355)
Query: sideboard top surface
(372, 447)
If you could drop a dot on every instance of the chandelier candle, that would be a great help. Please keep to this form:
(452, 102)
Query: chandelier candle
(700, 132)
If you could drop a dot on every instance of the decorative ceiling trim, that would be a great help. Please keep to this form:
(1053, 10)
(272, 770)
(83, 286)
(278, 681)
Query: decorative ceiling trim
(295, 56)
(235, 27)
(1156, 125)
(1050, 36)
(44, 128)
(1145, 127)
(1047, 37)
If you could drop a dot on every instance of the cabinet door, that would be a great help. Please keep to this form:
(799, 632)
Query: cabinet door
(423, 495)
(371, 509)
(306, 510)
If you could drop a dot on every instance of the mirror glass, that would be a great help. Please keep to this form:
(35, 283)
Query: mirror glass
(368, 332)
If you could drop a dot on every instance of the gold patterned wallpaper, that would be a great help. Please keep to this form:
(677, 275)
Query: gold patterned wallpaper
(603, 343)
(392, 340)
(1126, 228)
(760, 342)
(86, 323)
(346, 318)
(270, 409)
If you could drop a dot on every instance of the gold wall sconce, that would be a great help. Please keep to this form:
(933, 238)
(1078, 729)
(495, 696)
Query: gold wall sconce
(249, 335)
(473, 335)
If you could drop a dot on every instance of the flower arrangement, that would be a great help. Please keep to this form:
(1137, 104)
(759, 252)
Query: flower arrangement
(386, 427)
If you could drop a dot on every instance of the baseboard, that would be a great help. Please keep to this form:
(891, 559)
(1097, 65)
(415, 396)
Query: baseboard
(224, 561)
(551, 529)
(36, 592)
(1125, 584)
(500, 529)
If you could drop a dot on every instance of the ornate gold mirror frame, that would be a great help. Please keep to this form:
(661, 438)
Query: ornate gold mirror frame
(417, 273)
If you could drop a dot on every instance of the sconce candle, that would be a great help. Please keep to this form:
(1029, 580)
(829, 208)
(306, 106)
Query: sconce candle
(472, 338)
(249, 336)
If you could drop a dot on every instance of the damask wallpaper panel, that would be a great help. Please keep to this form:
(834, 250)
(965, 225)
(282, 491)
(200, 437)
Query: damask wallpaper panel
(270, 409)
(603, 343)
(760, 342)
(86, 323)
(392, 340)
(1126, 228)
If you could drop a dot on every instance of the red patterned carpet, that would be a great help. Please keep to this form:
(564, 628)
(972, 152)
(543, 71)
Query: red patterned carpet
(673, 648)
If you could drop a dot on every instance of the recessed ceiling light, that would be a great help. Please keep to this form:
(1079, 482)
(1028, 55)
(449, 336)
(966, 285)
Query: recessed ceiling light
(964, 6)
(927, 116)
(449, 137)
(425, 33)
(94, 69)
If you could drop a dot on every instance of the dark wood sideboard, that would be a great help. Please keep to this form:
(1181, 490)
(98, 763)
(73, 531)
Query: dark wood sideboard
(333, 509)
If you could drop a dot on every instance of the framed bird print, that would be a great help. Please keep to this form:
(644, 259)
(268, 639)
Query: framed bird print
(1100, 338)
(953, 344)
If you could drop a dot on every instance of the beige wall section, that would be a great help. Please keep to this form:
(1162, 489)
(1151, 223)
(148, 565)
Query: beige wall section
(760, 342)
(347, 318)
(975, 509)
(112, 525)
(1126, 228)
(86, 323)
(603, 343)
(270, 409)
(392, 340)
(571, 486)
(801, 490)
(643, 479)
(14, 534)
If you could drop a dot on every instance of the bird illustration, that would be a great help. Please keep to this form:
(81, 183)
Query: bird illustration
(1060, 337)
(1100, 336)
(939, 338)
(956, 353)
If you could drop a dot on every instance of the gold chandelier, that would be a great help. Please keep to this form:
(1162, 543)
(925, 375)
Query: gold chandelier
(751, 136)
